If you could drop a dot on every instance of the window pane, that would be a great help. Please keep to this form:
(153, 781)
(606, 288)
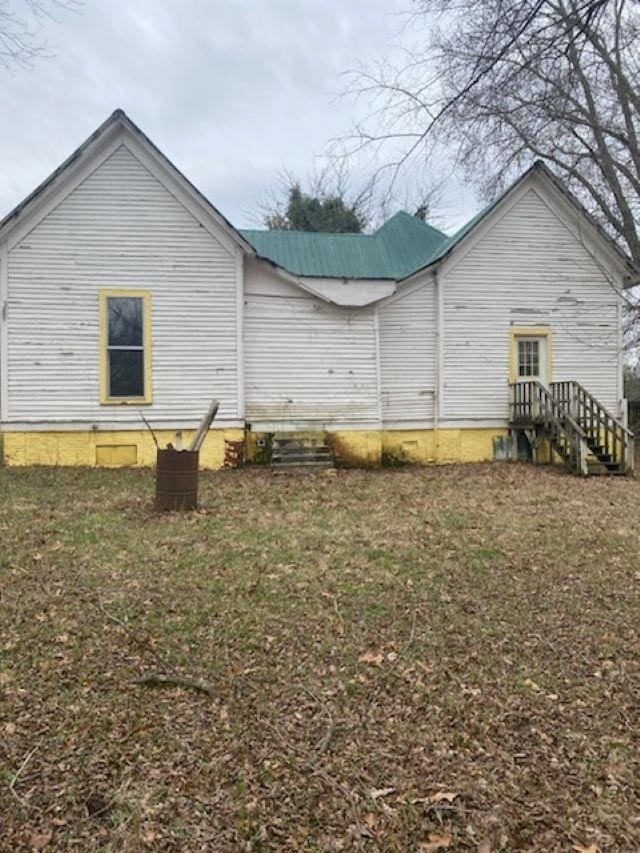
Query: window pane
(125, 320)
(522, 358)
(529, 358)
(126, 373)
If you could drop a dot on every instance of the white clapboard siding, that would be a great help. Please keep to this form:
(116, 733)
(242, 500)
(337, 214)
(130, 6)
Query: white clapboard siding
(306, 360)
(407, 356)
(121, 228)
(529, 269)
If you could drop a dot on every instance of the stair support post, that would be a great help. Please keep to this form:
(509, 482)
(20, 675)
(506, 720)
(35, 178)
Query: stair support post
(581, 461)
(629, 455)
(574, 402)
(536, 402)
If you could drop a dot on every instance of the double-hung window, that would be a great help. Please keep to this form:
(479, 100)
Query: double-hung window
(125, 346)
(528, 358)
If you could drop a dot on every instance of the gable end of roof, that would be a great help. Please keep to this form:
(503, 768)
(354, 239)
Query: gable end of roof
(537, 168)
(114, 124)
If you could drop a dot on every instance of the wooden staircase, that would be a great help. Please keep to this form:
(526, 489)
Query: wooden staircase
(576, 425)
(300, 451)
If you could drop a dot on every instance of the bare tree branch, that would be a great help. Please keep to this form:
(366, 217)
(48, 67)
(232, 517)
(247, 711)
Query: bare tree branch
(21, 29)
(497, 83)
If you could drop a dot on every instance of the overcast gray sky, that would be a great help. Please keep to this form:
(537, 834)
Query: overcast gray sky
(231, 90)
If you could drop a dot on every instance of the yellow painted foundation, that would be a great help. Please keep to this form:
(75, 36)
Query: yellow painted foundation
(359, 448)
(400, 446)
(109, 449)
(253, 451)
(440, 446)
(370, 448)
(356, 448)
(415, 446)
(546, 455)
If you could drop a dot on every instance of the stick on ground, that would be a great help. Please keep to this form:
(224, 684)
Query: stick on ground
(176, 681)
(16, 776)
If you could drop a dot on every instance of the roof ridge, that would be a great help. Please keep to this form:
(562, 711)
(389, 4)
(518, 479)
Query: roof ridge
(379, 232)
(299, 231)
(404, 214)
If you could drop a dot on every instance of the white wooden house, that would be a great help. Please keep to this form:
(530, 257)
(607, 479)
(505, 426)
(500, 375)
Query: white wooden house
(124, 290)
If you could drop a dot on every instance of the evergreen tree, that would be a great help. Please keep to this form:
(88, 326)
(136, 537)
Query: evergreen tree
(321, 212)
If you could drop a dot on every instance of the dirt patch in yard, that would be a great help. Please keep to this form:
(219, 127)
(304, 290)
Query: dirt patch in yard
(411, 659)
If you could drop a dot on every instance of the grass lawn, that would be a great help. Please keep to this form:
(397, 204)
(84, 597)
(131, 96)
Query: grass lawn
(397, 660)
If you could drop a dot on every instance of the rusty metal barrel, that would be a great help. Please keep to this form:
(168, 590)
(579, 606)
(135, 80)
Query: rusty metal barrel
(176, 479)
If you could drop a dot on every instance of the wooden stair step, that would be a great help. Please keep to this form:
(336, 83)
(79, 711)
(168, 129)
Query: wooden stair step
(300, 451)
(286, 467)
(293, 458)
(578, 427)
(301, 448)
(298, 442)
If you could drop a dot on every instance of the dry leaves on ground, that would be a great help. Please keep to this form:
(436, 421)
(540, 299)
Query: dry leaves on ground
(423, 659)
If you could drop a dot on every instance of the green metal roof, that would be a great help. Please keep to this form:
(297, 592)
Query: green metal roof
(400, 246)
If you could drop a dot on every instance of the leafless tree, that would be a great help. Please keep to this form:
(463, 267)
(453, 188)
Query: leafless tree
(332, 178)
(21, 29)
(498, 83)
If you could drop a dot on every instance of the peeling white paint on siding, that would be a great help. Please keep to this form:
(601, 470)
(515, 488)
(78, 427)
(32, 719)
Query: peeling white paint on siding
(408, 356)
(528, 270)
(306, 360)
(120, 228)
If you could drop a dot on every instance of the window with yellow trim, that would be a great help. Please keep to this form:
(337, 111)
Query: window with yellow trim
(530, 354)
(125, 344)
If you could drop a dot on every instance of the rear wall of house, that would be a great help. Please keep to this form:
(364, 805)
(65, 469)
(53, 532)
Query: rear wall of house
(121, 228)
(407, 334)
(528, 270)
(307, 363)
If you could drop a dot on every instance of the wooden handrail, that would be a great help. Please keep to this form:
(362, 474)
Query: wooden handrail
(589, 395)
(526, 394)
(600, 426)
(533, 403)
